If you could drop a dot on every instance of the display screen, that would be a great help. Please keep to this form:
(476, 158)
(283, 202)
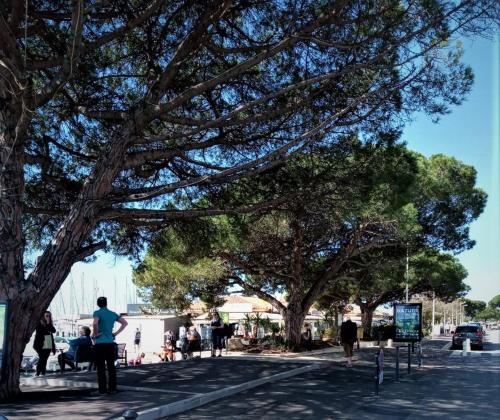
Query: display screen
(408, 321)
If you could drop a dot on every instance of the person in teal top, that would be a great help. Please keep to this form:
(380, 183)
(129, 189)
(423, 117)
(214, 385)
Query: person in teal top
(105, 325)
(105, 347)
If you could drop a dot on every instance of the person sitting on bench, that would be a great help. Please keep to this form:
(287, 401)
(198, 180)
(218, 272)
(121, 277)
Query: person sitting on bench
(193, 340)
(167, 353)
(68, 357)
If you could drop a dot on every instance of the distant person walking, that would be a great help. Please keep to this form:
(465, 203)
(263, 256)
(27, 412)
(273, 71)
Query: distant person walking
(44, 342)
(105, 347)
(348, 335)
(137, 341)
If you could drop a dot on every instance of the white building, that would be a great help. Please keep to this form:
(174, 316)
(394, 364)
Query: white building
(152, 327)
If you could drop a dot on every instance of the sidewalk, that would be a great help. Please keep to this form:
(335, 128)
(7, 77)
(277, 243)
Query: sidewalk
(185, 385)
(145, 387)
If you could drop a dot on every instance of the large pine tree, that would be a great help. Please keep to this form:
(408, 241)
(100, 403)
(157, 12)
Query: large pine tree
(110, 108)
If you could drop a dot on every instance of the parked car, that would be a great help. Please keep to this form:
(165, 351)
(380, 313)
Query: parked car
(463, 332)
(480, 325)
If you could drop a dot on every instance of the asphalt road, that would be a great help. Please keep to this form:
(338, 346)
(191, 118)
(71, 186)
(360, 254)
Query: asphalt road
(449, 386)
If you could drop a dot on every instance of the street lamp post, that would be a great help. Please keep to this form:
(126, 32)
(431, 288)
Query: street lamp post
(433, 312)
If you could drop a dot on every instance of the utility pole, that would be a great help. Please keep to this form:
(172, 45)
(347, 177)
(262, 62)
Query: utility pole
(433, 311)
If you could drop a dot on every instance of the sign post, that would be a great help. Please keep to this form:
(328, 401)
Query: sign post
(397, 363)
(408, 323)
(381, 365)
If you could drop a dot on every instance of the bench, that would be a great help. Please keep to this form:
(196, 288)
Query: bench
(84, 354)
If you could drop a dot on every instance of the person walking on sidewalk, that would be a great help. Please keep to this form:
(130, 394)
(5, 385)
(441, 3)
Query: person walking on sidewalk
(105, 347)
(44, 342)
(348, 335)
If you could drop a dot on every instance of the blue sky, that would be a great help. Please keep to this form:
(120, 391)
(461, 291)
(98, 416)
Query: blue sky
(470, 133)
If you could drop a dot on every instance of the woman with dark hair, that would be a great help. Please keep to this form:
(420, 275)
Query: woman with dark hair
(217, 328)
(44, 342)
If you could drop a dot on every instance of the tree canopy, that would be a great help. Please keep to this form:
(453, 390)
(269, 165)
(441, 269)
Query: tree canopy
(495, 302)
(488, 314)
(472, 307)
(343, 216)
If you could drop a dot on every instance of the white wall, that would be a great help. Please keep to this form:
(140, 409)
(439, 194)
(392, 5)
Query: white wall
(152, 330)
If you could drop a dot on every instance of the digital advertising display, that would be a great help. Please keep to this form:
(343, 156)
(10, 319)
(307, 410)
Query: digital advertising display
(408, 321)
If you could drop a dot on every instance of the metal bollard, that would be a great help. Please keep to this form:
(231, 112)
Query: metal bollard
(397, 363)
(377, 374)
(409, 358)
(419, 355)
(466, 347)
(130, 414)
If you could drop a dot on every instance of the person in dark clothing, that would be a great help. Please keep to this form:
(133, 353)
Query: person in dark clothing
(137, 340)
(68, 357)
(307, 337)
(105, 347)
(194, 341)
(217, 328)
(348, 335)
(44, 342)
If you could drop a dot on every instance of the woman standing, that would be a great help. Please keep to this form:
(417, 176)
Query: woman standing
(44, 342)
(307, 337)
(217, 328)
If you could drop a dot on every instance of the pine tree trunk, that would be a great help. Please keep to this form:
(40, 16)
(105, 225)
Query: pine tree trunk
(295, 314)
(34, 294)
(294, 317)
(13, 122)
(366, 320)
(19, 331)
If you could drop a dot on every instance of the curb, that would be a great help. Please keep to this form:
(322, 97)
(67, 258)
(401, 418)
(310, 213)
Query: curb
(68, 383)
(59, 382)
(198, 401)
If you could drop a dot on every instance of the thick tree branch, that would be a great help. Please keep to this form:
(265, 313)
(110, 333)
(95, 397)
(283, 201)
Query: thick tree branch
(149, 215)
(71, 59)
(89, 250)
(246, 65)
(261, 294)
(185, 48)
(252, 269)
